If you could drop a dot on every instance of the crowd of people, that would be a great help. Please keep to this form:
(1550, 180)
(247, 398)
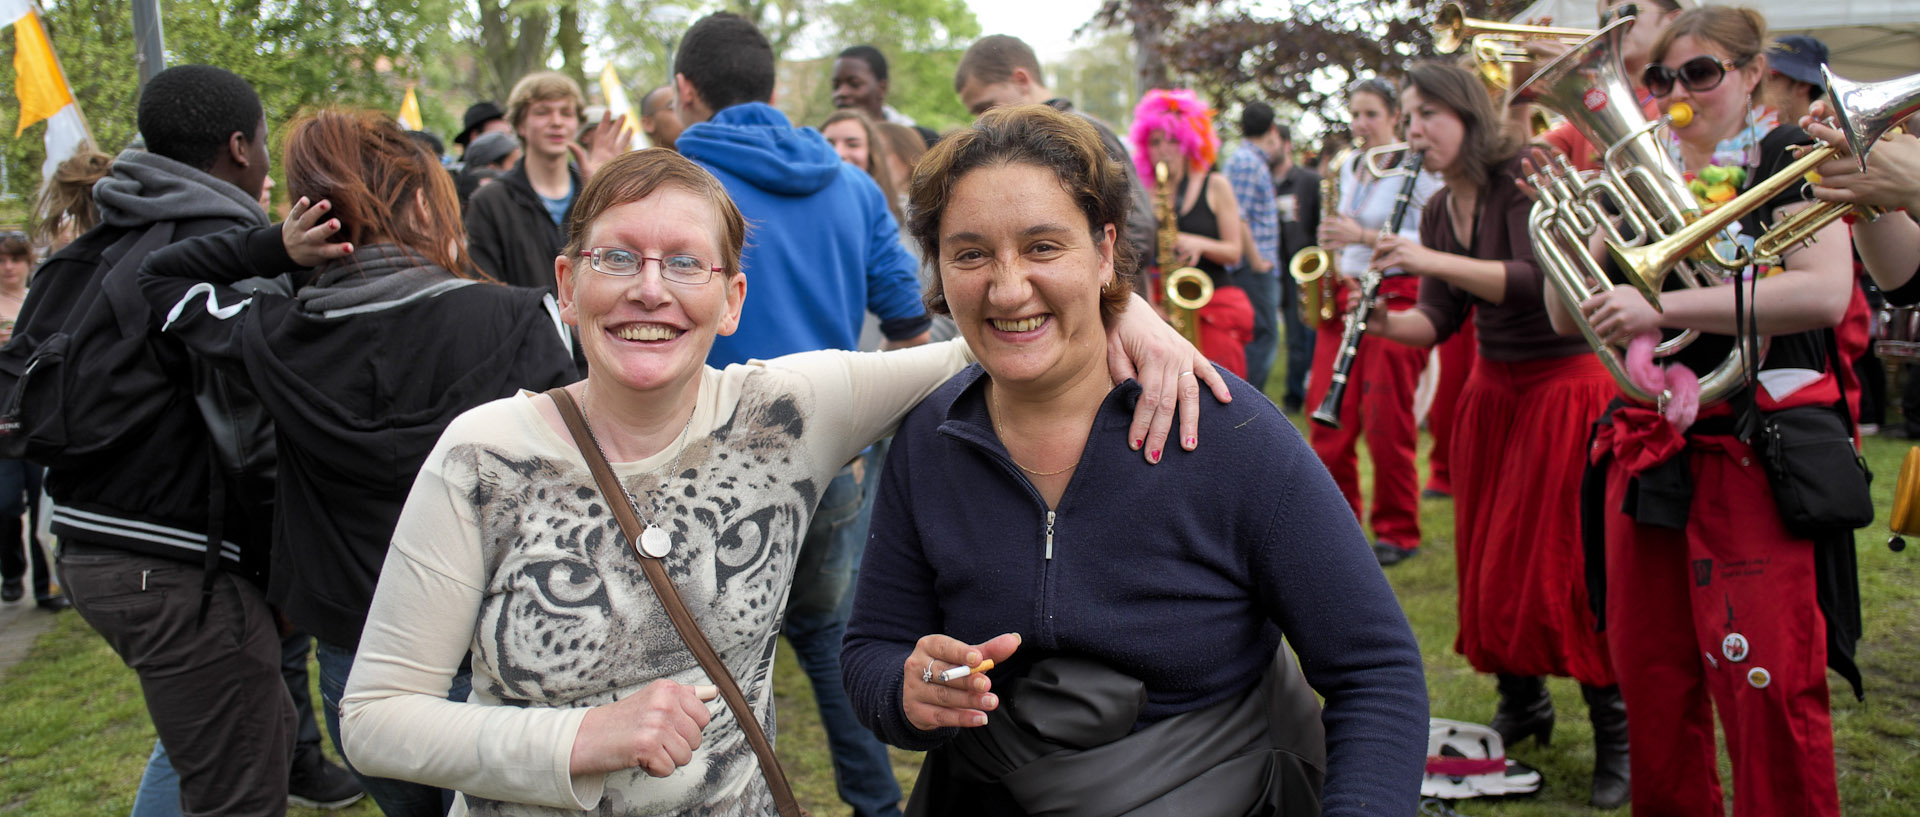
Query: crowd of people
(541, 458)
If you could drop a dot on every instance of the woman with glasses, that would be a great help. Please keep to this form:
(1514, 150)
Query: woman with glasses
(1711, 604)
(361, 359)
(584, 696)
(1523, 415)
(1379, 404)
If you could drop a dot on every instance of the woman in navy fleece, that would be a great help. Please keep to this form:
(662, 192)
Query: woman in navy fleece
(1133, 614)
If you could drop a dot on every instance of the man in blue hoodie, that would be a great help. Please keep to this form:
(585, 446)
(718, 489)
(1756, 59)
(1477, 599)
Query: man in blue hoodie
(822, 250)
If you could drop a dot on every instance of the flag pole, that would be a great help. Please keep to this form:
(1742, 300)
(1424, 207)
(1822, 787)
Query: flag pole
(150, 47)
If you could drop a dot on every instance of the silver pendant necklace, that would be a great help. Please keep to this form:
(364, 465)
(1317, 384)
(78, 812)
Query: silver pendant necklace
(654, 541)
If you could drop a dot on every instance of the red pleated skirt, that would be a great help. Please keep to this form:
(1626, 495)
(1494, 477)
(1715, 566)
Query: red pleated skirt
(1518, 451)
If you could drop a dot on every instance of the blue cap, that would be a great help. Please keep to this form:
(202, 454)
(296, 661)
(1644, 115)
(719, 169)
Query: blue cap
(1799, 57)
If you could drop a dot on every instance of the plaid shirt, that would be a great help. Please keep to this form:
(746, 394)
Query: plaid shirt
(1253, 189)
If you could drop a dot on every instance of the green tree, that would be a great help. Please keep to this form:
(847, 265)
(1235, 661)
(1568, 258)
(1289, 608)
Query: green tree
(923, 41)
(296, 54)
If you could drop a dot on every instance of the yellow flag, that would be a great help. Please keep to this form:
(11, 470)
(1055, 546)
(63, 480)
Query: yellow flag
(617, 103)
(41, 88)
(410, 112)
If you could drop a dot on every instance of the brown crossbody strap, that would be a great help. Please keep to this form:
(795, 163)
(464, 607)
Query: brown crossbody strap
(682, 618)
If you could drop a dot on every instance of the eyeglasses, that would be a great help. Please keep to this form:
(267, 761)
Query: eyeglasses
(1700, 75)
(678, 268)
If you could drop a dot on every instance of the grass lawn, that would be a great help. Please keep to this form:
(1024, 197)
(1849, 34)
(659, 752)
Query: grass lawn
(74, 735)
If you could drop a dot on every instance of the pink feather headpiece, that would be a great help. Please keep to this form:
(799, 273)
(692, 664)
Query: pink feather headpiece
(1181, 115)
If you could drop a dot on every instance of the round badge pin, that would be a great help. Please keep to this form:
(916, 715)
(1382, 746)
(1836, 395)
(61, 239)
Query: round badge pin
(1734, 647)
(1759, 678)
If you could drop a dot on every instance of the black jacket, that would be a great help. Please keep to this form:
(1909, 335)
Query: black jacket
(509, 232)
(359, 395)
(136, 473)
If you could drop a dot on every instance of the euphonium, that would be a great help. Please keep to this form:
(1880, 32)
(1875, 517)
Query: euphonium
(1185, 290)
(1314, 269)
(1637, 182)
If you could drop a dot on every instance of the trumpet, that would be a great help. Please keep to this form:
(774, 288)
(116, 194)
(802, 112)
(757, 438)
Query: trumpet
(1184, 290)
(1497, 47)
(1865, 111)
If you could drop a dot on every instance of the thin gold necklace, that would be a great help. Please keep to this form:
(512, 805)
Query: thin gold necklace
(1003, 443)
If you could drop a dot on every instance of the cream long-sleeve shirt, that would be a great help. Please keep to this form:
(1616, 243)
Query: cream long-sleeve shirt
(505, 551)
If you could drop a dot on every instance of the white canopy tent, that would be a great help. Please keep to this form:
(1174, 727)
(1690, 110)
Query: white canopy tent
(1869, 39)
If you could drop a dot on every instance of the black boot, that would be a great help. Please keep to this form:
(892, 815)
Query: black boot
(1612, 778)
(1526, 710)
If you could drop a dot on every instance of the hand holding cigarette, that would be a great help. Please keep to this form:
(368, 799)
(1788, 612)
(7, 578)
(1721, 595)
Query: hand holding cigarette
(944, 682)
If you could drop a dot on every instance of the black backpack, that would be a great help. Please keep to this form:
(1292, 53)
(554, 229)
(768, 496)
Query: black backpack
(79, 376)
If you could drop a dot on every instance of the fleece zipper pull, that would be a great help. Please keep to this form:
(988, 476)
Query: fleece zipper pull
(1049, 535)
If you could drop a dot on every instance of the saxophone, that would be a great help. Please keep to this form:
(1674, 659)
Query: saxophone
(1313, 269)
(1185, 290)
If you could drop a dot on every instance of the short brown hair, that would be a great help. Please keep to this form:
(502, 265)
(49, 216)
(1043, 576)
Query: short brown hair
(14, 245)
(1741, 32)
(1485, 143)
(1032, 135)
(992, 59)
(372, 173)
(635, 175)
(542, 86)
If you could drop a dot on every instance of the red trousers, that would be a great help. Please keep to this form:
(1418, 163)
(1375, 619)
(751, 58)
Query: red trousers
(1457, 355)
(1721, 616)
(1378, 404)
(1516, 517)
(1226, 327)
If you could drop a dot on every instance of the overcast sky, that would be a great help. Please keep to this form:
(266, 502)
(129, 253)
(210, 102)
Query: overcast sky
(1047, 25)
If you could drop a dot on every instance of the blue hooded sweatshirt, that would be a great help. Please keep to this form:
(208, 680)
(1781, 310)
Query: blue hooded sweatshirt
(822, 247)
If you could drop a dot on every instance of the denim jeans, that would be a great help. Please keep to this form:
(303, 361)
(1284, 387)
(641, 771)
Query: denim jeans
(816, 621)
(1264, 292)
(1299, 341)
(397, 798)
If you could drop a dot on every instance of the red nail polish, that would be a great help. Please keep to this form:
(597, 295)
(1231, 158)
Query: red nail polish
(1136, 444)
(1155, 456)
(1191, 442)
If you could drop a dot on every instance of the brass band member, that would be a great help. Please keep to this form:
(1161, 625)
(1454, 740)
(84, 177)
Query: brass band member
(1386, 373)
(1523, 418)
(1692, 634)
(1175, 128)
(1889, 246)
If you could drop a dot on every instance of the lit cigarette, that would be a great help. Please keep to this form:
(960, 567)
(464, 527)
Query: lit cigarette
(962, 672)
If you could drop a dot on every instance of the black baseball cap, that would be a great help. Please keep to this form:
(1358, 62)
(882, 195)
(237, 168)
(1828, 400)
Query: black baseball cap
(1799, 57)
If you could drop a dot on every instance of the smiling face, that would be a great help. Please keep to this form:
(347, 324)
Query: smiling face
(854, 86)
(1022, 270)
(548, 126)
(1719, 112)
(1435, 129)
(849, 139)
(1372, 119)
(643, 332)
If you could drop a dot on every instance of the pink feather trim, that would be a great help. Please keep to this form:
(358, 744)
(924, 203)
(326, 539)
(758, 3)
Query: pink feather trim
(1683, 406)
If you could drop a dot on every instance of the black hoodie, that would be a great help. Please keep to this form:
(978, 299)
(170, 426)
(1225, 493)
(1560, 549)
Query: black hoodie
(511, 234)
(361, 368)
(145, 489)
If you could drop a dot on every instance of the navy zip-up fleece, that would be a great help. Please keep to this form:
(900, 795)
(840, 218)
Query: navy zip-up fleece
(1184, 575)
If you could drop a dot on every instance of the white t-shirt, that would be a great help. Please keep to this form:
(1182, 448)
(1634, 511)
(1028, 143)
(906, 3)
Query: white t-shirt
(505, 550)
(1370, 201)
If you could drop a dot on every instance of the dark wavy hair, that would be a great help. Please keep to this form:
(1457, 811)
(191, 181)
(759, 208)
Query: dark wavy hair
(1485, 143)
(382, 185)
(1033, 135)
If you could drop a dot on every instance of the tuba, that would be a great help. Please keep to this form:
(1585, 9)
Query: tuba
(1313, 269)
(1636, 179)
(1185, 290)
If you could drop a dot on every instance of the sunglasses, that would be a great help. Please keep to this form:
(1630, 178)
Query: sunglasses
(1700, 75)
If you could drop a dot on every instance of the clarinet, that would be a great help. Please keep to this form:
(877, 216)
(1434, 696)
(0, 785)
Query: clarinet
(1328, 414)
